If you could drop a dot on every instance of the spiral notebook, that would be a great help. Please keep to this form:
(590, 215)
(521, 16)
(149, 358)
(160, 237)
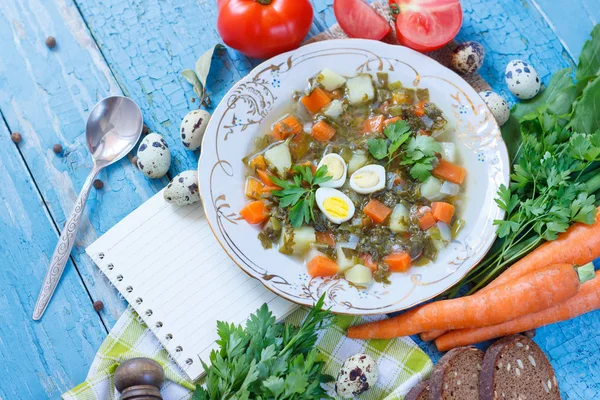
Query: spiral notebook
(168, 265)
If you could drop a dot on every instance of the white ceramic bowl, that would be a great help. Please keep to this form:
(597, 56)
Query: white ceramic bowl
(255, 101)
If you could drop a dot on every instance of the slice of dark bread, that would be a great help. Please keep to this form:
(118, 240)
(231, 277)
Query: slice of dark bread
(419, 392)
(516, 368)
(456, 375)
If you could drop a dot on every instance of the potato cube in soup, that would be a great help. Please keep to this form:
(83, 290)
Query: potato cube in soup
(303, 238)
(360, 89)
(334, 109)
(359, 275)
(448, 151)
(330, 80)
(280, 158)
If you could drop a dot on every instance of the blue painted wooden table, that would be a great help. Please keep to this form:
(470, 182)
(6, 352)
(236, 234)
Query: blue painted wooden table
(139, 48)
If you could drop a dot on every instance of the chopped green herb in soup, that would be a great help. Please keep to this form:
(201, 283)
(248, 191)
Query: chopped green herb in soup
(354, 180)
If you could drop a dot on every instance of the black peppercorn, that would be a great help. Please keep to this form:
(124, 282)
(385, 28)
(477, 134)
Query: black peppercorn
(98, 184)
(50, 42)
(57, 148)
(16, 137)
(98, 305)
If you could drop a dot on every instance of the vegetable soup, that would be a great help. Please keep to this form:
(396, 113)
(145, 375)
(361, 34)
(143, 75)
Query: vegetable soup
(355, 179)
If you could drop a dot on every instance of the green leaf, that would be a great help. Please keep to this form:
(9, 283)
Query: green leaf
(397, 130)
(589, 59)
(378, 148)
(204, 62)
(275, 385)
(297, 214)
(586, 116)
(191, 77)
(527, 109)
(421, 171)
(320, 175)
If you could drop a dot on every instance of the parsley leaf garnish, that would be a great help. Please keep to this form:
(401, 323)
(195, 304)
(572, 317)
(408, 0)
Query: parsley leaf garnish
(267, 360)
(300, 197)
(418, 152)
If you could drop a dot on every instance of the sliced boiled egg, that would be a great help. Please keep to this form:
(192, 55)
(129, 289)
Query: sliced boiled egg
(368, 179)
(335, 205)
(336, 169)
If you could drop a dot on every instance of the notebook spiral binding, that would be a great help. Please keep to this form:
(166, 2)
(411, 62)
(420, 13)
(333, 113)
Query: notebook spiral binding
(125, 293)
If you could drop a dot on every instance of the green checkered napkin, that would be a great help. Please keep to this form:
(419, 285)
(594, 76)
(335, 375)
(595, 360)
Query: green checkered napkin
(401, 362)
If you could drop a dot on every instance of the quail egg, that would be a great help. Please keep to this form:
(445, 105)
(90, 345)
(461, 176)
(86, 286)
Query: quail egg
(183, 189)
(368, 179)
(193, 126)
(497, 105)
(154, 156)
(358, 374)
(467, 57)
(336, 169)
(335, 205)
(522, 79)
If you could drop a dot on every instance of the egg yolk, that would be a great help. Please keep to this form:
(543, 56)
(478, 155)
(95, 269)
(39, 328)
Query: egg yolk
(366, 179)
(336, 207)
(335, 168)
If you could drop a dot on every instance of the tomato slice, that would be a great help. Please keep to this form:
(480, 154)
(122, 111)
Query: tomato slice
(359, 20)
(427, 25)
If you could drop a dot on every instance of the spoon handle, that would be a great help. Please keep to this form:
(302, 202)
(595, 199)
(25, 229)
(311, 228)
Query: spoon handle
(63, 248)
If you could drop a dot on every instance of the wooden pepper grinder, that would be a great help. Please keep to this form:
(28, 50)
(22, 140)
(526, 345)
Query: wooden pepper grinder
(139, 379)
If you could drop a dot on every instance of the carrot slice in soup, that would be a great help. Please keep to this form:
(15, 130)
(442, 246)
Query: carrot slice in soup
(449, 172)
(265, 178)
(321, 266)
(322, 131)
(398, 262)
(327, 238)
(254, 188)
(427, 220)
(316, 100)
(255, 212)
(258, 162)
(377, 211)
(286, 127)
(442, 211)
(373, 125)
(368, 262)
(391, 121)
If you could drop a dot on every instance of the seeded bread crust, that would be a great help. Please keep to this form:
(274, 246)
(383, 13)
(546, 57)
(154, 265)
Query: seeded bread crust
(419, 391)
(442, 386)
(531, 369)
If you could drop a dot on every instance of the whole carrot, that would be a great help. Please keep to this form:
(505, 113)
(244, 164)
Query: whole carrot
(588, 299)
(579, 245)
(529, 294)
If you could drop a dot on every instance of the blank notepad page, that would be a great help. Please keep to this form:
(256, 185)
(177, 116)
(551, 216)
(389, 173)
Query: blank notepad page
(168, 265)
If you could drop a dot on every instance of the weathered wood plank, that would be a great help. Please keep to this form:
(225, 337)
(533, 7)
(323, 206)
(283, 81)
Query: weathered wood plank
(37, 360)
(46, 95)
(572, 21)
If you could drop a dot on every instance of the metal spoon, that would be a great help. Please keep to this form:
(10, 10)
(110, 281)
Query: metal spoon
(113, 128)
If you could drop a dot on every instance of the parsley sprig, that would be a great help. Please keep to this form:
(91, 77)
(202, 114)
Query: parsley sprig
(299, 194)
(417, 152)
(267, 360)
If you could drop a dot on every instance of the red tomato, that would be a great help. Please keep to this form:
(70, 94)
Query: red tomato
(264, 28)
(359, 20)
(427, 25)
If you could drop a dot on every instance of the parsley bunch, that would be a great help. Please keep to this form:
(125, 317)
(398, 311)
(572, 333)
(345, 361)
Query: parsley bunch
(554, 141)
(299, 195)
(417, 152)
(267, 360)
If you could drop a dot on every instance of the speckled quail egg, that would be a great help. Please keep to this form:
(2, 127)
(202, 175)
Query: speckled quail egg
(154, 156)
(193, 127)
(368, 179)
(335, 205)
(522, 79)
(183, 189)
(358, 374)
(336, 169)
(467, 57)
(497, 105)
